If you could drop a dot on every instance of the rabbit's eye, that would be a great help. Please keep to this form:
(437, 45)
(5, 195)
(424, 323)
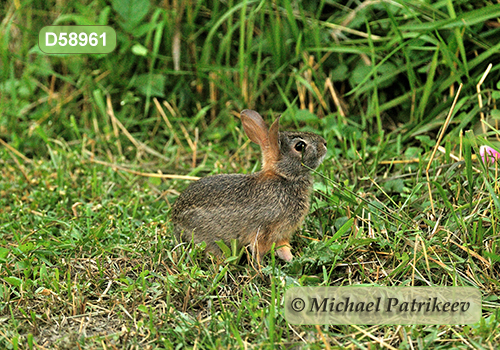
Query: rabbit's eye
(299, 146)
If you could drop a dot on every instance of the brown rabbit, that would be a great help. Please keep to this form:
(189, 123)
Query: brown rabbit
(257, 209)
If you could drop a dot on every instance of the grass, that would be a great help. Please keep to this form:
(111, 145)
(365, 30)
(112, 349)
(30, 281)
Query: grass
(95, 149)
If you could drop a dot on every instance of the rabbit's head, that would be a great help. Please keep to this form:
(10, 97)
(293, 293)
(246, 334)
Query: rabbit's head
(288, 154)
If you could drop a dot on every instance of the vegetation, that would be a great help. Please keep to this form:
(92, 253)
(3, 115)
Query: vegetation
(94, 149)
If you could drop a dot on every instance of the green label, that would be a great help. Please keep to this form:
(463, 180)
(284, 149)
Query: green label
(77, 39)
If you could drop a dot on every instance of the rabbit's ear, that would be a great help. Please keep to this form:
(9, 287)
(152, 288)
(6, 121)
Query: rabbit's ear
(255, 127)
(271, 154)
(268, 140)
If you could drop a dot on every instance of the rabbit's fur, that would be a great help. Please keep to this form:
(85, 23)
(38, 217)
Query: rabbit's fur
(257, 209)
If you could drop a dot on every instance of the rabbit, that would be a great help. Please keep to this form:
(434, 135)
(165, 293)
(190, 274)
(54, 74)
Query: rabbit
(257, 209)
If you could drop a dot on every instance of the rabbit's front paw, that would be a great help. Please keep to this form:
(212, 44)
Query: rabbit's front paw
(285, 253)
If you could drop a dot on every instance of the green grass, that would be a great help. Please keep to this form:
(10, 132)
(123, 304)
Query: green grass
(86, 248)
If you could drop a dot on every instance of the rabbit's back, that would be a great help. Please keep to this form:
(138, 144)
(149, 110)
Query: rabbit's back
(242, 207)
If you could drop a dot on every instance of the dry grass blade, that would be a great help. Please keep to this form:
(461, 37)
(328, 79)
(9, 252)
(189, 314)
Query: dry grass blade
(371, 336)
(473, 253)
(176, 40)
(161, 176)
(15, 151)
(113, 123)
(169, 125)
(137, 144)
(322, 336)
(480, 98)
(401, 161)
(19, 166)
(440, 137)
(336, 99)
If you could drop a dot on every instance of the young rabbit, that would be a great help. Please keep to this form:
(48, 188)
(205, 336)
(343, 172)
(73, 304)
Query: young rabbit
(257, 209)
